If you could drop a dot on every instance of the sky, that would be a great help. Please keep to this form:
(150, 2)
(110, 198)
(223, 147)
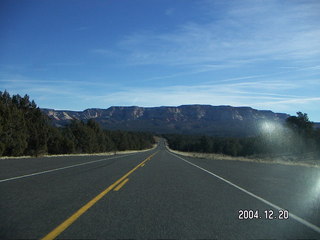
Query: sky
(76, 54)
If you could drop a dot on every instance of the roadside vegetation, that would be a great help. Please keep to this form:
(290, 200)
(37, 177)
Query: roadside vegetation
(297, 137)
(25, 130)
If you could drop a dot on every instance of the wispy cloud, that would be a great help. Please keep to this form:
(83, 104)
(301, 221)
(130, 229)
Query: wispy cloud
(179, 95)
(80, 29)
(249, 30)
(65, 64)
(266, 94)
(103, 51)
(300, 100)
(169, 11)
(237, 94)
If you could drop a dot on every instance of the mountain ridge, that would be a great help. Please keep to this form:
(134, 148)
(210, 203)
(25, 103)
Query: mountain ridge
(223, 120)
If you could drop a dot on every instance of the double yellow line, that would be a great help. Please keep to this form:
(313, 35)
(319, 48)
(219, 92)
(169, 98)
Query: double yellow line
(117, 184)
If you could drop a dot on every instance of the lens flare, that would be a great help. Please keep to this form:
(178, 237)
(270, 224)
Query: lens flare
(268, 127)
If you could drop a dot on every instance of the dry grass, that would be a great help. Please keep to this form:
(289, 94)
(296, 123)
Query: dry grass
(86, 154)
(213, 156)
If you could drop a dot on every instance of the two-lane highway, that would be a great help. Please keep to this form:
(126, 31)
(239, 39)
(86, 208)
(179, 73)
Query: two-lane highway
(157, 195)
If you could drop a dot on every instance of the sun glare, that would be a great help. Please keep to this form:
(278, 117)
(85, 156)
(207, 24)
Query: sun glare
(268, 127)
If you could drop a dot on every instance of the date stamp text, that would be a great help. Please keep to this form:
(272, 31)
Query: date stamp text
(249, 214)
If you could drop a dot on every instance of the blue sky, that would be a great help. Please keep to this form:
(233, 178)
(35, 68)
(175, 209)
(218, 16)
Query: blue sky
(95, 54)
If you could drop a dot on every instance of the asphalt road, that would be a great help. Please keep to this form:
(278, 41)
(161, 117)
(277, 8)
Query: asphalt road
(155, 195)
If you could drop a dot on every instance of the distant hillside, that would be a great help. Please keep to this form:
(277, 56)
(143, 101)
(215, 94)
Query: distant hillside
(186, 119)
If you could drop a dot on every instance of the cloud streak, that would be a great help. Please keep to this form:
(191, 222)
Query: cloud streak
(249, 30)
(258, 94)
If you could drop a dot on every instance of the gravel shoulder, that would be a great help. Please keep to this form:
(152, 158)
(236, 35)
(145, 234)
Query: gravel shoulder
(284, 160)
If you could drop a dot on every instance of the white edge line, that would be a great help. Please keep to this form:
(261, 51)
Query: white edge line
(61, 168)
(295, 217)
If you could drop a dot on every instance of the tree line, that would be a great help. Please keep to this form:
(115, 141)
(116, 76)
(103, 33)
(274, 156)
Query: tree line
(296, 136)
(25, 130)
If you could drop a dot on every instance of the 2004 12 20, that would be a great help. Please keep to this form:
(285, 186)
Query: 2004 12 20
(266, 214)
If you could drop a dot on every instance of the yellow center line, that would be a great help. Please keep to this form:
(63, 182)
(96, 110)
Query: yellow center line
(117, 188)
(148, 159)
(63, 226)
